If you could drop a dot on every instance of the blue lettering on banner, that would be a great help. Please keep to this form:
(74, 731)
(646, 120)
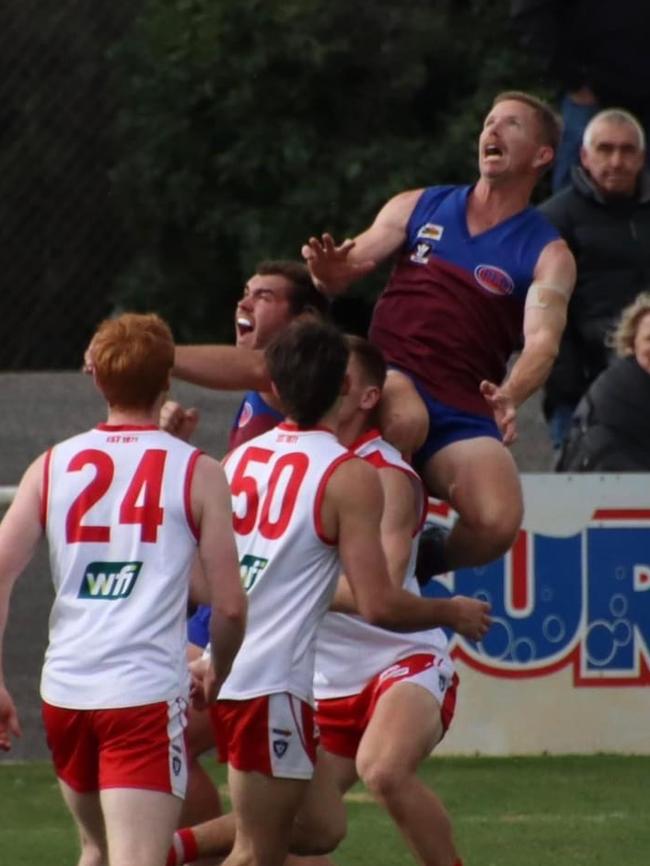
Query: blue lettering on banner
(581, 601)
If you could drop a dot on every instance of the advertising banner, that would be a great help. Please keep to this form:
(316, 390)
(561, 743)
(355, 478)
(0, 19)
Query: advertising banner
(566, 665)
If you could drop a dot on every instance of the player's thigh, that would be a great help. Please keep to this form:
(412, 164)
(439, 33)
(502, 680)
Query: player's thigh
(478, 477)
(199, 733)
(139, 825)
(320, 822)
(404, 419)
(87, 813)
(265, 808)
(404, 729)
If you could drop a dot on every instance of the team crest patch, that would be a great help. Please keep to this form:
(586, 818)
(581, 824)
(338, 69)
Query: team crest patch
(245, 415)
(430, 231)
(280, 747)
(420, 256)
(494, 280)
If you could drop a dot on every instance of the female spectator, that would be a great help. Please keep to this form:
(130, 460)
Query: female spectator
(610, 430)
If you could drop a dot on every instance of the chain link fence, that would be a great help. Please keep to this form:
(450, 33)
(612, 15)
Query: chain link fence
(61, 241)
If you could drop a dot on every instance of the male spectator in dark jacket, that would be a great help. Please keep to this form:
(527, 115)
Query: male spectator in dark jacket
(604, 216)
(596, 54)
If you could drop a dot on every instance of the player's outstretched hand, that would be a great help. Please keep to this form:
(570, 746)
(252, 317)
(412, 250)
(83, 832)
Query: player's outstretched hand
(9, 724)
(330, 266)
(472, 617)
(504, 409)
(178, 421)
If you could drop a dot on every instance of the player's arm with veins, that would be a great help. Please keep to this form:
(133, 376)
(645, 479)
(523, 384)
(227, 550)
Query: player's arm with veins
(353, 507)
(545, 316)
(227, 368)
(212, 509)
(334, 267)
(20, 532)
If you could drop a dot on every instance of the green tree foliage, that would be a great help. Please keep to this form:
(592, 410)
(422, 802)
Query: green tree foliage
(250, 124)
(61, 244)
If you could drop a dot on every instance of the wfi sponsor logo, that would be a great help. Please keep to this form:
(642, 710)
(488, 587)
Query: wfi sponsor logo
(109, 580)
(250, 569)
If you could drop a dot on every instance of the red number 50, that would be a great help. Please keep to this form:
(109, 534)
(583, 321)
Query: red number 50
(296, 464)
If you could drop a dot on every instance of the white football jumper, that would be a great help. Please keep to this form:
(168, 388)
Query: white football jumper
(350, 651)
(289, 567)
(116, 510)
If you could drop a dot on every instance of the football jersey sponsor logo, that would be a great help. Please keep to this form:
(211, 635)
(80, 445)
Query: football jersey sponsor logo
(494, 280)
(109, 580)
(245, 415)
(250, 569)
(420, 256)
(430, 231)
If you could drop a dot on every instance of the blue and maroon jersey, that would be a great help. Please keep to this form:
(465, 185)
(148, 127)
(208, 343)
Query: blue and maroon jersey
(254, 417)
(452, 311)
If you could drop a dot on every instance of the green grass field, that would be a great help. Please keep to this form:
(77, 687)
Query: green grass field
(507, 812)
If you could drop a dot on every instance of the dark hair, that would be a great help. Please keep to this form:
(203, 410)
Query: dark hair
(371, 360)
(307, 363)
(304, 297)
(550, 123)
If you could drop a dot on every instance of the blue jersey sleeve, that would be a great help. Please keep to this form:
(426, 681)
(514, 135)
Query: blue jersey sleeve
(198, 626)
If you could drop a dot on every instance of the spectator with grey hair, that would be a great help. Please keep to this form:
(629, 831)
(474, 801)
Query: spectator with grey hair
(610, 431)
(604, 216)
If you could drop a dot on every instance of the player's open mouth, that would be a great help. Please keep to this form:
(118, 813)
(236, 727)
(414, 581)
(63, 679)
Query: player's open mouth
(244, 326)
(492, 150)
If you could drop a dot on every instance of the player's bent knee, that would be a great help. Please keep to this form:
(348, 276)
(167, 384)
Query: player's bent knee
(384, 783)
(497, 525)
(315, 839)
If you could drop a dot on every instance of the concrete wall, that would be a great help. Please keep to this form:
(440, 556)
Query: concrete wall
(39, 409)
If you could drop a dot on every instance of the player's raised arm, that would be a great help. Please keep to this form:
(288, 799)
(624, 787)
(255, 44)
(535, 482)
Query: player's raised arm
(211, 505)
(544, 321)
(20, 531)
(335, 267)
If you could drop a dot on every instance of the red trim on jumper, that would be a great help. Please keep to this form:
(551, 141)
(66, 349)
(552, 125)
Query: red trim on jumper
(366, 437)
(45, 489)
(294, 428)
(320, 495)
(187, 493)
(116, 428)
(377, 459)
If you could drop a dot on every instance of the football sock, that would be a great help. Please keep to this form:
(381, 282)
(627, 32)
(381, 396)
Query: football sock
(184, 848)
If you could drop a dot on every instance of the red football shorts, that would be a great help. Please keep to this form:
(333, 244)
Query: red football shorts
(271, 734)
(343, 721)
(130, 747)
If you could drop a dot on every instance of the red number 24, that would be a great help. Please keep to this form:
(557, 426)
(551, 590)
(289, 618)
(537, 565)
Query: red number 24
(146, 481)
